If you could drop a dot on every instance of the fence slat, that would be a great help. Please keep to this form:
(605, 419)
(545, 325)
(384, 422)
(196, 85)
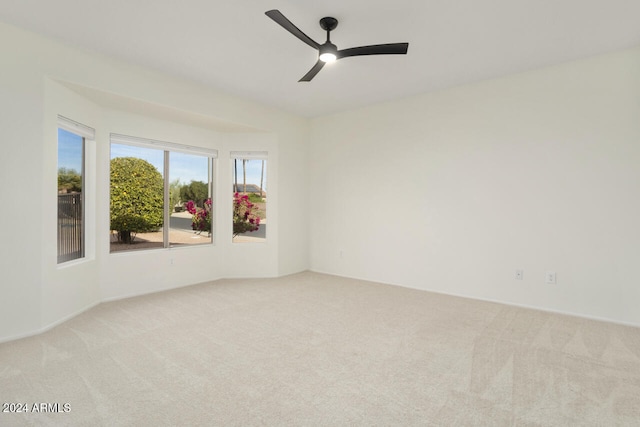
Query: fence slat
(70, 227)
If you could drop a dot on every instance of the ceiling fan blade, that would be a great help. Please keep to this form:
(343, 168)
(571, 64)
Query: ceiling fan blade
(288, 25)
(376, 49)
(312, 72)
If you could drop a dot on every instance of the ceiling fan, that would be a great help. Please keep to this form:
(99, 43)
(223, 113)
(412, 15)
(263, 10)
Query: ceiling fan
(328, 52)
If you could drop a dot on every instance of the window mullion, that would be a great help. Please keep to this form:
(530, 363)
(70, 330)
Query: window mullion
(167, 207)
(83, 198)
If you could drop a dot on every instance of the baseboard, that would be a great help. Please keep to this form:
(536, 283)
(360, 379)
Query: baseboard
(155, 291)
(495, 301)
(49, 326)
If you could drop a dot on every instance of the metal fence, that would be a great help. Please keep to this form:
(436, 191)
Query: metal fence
(70, 227)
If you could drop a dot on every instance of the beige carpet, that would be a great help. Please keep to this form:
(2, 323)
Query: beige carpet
(312, 349)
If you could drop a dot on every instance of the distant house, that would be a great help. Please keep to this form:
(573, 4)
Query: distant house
(250, 188)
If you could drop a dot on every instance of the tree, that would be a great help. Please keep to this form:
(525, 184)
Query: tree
(69, 180)
(262, 179)
(235, 175)
(244, 175)
(137, 197)
(197, 191)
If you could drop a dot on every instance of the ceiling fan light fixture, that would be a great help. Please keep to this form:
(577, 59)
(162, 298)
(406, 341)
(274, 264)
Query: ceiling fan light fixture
(328, 57)
(328, 52)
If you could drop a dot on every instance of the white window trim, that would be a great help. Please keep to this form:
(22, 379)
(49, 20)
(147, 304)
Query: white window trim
(168, 147)
(77, 128)
(250, 155)
(88, 175)
(162, 145)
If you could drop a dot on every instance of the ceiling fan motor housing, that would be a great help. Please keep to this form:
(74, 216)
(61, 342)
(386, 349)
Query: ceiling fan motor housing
(328, 23)
(328, 52)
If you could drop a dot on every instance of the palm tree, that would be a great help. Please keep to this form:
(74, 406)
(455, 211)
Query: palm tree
(244, 175)
(262, 179)
(235, 174)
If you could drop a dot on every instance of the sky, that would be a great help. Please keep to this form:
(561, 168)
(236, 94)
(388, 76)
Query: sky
(185, 167)
(69, 150)
(254, 168)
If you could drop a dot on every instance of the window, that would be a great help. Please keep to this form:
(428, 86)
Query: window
(249, 196)
(161, 194)
(71, 186)
(191, 207)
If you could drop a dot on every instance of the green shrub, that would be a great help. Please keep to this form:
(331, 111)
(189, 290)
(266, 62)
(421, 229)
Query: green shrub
(137, 197)
(197, 191)
(69, 180)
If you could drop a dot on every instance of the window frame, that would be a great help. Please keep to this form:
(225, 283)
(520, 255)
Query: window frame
(249, 155)
(88, 136)
(167, 148)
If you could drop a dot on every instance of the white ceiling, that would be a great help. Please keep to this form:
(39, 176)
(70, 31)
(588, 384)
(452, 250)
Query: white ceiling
(234, 47)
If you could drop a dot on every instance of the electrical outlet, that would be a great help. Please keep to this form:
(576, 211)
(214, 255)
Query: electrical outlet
(550, 277)
(519, 274)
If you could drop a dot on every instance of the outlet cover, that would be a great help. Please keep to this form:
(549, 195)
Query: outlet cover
(551, 277)
(519, 274)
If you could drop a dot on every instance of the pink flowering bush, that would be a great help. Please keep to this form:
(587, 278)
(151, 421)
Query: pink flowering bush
(244, 217)
(200, 217)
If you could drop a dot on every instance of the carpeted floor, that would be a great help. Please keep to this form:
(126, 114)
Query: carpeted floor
(313, 349)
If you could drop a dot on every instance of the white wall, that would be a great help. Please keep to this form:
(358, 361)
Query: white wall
(449, 191)
(453, 191)
(36, 293)
(21, 175)
(69, 288)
